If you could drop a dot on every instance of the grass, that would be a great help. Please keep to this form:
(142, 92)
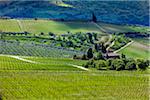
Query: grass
(122, 28)
(144, 41)
(38, 26)
(136, 50)
(73, 85)
(57, 27)
(51, 80)
(9, 26)
(7, 63)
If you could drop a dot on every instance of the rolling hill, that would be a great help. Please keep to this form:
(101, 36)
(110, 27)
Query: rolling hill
(118, 12)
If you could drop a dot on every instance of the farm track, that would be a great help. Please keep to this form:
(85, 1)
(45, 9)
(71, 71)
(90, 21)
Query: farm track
(30, 61)
(20, 25)
(124, 47)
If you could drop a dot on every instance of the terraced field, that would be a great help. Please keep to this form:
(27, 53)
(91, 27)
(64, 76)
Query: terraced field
(66, 82)
(136, 50)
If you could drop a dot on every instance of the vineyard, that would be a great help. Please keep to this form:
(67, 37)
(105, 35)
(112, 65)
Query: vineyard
(41, 63)
(29, 49)
(72, 85)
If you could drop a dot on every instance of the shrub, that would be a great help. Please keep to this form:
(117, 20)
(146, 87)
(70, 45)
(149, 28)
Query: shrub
(84, 57)
(90, 64)
(142, 64)
(117, 64)
(99, 56)
(131, 65)
(101, 64)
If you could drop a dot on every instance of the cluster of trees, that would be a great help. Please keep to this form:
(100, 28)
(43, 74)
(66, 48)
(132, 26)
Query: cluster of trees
(13, 33)
(120, 41)
(78, 41)
(90, 54)
(118, 64)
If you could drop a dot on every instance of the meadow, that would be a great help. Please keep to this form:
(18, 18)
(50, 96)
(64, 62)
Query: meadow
(46, 26)
(9, 26)
(61, 27)
(23, 82)
(136, 50)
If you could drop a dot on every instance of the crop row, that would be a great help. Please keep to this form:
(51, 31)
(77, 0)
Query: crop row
(35, 50)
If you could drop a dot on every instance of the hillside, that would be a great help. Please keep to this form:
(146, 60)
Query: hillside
(118, 12)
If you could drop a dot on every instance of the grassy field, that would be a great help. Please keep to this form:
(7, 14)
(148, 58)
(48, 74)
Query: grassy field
(45, 85)
(9, 63)
(9, 26)
(46, 26)
(121, 28)
(19, 81)
(38, 26)
(136, 50)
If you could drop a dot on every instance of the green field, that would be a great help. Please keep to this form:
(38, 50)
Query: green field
(38, 26)
(9, 26)
(122, 28)
(19, 81)
(10, 63)
(136, 50)
(32, 70)
(58, 27)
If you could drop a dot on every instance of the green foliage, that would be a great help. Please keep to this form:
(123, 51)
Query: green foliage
(103, 48)
(90, 64)
(117, 64)
(99, 56)
(90, 53)
(142, 64)
(101, 64)
(130, 65)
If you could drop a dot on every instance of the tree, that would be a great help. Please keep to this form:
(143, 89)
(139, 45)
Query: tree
(96, 46)
(101, 65)
(90, 53)
(117, 64)
(99, 56)
(2, 35)
(90, 64)
(90, 37)
(103, 48)
(123, 56)
(84, 57)
(142, 64)
(94, 19)
(130, 65)
(41, 33)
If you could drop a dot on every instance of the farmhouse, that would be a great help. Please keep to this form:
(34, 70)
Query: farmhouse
(111, 55)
